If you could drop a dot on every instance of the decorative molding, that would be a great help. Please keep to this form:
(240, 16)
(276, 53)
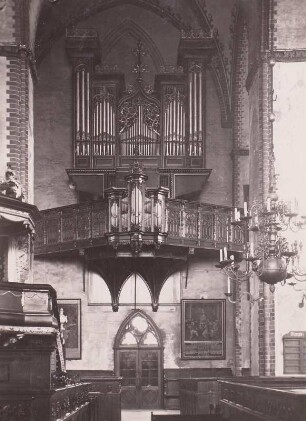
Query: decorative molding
(196, 34)
(290, 55)
(239, 152)
(8, 49)
(169, 69)
(17, 411)
(106, 68)
(76, 32)
(285, 56)
(220, 69)
(35, 330)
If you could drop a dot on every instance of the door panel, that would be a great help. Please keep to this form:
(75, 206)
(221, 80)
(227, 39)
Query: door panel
(149, 365)
(128, 366)
(141, 378)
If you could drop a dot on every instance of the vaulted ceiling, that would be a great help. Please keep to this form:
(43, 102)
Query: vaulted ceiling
(50, 18)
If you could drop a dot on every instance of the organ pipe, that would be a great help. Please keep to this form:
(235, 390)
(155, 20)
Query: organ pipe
(82, 111)
(104, 124)
(174, 124)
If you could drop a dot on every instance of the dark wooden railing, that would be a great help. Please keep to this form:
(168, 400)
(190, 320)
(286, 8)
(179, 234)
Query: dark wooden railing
(187, 224)
(248, 401)
(18, 301)
(71, 403)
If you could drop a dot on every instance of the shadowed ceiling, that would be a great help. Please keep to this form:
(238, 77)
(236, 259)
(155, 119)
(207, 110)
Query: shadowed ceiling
(49, 21)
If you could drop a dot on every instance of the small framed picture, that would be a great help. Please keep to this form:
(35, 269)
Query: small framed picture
(203, 329)
(70, 319)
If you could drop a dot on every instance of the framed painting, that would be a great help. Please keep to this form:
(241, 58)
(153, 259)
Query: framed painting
(70, 319)
(203, 329)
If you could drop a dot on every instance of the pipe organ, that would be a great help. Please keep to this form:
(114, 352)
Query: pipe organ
(82, 111)
(166, 127)
(104, 123)
(174, 121)
(195, 110)
(139, 126)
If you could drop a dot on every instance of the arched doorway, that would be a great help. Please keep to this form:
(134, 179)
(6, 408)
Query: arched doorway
(139, 361)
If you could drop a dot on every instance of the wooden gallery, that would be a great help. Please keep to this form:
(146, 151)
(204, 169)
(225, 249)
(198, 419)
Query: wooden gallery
(152, 210)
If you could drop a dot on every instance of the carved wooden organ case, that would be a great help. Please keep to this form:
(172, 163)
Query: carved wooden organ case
(164, 127)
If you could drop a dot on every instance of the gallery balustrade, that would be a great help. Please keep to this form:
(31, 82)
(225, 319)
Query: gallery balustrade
(174, 222)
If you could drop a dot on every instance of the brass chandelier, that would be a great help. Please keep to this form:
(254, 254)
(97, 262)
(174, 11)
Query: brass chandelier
(269, 254)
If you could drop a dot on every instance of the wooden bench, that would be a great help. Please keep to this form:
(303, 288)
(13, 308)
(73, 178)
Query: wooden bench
(180, 417)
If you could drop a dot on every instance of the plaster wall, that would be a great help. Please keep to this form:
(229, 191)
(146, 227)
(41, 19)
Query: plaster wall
(100, 324)
(290, 153)
(3, 115)
(218, 188)
(290, 24)
(7, 18)
(53, 130)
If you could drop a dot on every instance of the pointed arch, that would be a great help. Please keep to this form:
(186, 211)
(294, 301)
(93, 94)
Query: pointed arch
(125, 326)
(129, 27)
(141, 283)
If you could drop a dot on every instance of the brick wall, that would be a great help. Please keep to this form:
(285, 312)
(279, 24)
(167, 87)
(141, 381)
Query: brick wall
(240, 111)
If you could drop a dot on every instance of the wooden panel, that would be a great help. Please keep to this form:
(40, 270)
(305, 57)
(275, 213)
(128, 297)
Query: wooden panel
(82, 162)
(149, 367)
(294, 356)
(104, 162)
(174, 162)
(147, 161)
(128, 371)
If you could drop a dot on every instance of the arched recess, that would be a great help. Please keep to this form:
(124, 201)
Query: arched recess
(153, 271)
(138, 360)
(54, 20)
(129, 27)
(135, 290)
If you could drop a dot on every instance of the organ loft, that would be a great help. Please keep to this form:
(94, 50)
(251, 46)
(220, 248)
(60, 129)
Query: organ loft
(152, 210)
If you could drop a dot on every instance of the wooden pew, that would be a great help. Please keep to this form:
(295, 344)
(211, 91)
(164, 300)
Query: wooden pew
(180, 417)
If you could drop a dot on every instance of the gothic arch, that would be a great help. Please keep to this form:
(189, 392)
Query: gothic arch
(142, 280)
(128, 319)
(129, 27)
(71, 17)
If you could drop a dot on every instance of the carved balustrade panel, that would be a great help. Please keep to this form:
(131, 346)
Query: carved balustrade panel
(187, 223)
(98, 219)
(222, 226)
(16, 408)
(206, 223)
(174, 217)
(65, 401)
(238, 234)
(53, 228)
(69, 225)
(191, 221)
(84, 222)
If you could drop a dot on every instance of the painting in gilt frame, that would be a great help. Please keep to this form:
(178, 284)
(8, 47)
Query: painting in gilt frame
(70, 319)
(203, 329)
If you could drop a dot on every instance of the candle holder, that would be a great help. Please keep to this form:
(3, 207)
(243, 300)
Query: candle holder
(251, 298)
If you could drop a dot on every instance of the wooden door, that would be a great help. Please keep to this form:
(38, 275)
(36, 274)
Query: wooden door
(141, 378)
(149, 378)
(138, 360)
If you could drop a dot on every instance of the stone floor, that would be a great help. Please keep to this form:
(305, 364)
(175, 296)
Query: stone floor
(142, 415)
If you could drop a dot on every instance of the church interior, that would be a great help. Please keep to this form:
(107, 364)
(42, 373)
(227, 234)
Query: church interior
(152, 210)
